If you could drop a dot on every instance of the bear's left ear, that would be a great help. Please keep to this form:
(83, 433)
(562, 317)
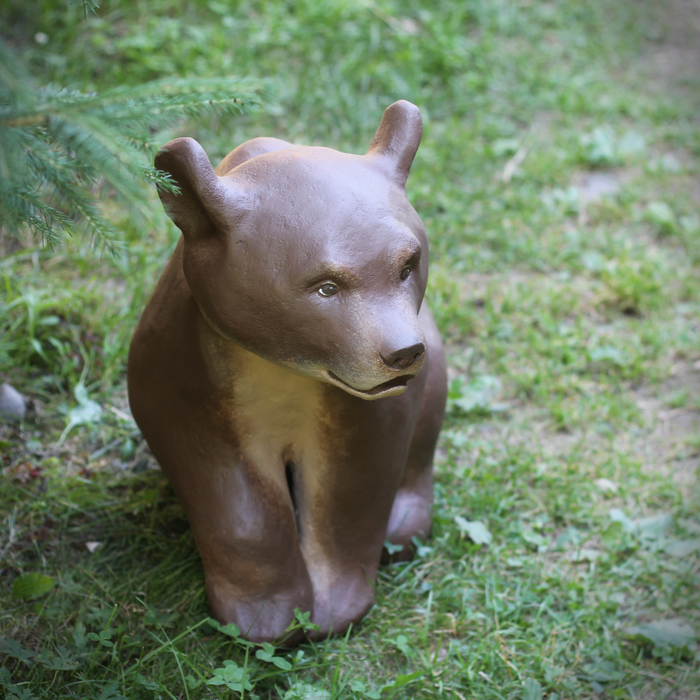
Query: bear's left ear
(397, 139)
(205, 202)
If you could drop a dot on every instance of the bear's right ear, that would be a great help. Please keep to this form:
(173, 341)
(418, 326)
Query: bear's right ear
(397, 139)
(201, 207)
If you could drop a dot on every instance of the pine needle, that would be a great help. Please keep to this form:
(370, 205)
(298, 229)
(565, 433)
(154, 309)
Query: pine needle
(58, 145)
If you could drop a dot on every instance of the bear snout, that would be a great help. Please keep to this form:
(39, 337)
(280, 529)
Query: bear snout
(404, 358)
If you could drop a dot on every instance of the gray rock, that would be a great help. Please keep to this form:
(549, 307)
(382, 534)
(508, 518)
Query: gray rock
(596, 186)
(12, 404)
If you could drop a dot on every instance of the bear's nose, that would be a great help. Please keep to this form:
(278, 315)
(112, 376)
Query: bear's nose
(404, 358)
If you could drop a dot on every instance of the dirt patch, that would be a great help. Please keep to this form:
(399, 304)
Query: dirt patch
(675, 694)
(672, 448)
(672, 58)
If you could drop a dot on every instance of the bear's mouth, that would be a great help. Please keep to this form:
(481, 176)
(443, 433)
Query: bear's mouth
(392, 387)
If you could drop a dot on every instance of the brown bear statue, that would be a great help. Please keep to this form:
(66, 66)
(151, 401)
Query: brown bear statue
(287, 376)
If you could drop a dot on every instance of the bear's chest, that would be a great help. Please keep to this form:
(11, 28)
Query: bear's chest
(276, 416)
(275, 411)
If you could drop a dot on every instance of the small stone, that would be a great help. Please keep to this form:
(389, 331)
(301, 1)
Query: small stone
(12, 405)
(596, 186)
(605, 485)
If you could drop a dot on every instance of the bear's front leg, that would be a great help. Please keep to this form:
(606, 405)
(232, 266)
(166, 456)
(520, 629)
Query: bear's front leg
(243, 523)
(410, 514)
(247, 538)
(347, 484)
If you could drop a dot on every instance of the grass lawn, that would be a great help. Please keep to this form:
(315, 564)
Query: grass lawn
(559, 180)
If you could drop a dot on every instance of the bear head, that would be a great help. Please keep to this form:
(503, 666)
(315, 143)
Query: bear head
(308, 257)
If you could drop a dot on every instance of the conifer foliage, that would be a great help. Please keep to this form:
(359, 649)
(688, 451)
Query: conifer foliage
(59, 148)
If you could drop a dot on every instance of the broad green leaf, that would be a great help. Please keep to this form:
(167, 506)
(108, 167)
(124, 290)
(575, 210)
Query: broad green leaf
(690, 525)
(662, 215)
(304, 621)
(230, 630)
(145, 683)
(631, 143)
(474, 529)
(602, 671)
(475, 395)
(192, 682)
(593, 261)
(608, 353)
(681, 548)
(79, 636)
(664, 633)
(612, 533)
(690, 224)
(359, 687)
(86, 412)
(230, 675)
(111, 692)
(307, 691)
(31, 586)
(404, 679)
(655, 526)
(616, 515)
(532, 690)
(570, 536)
(56, 662)
(599, 147)
(267, 653)
(505, 147)
(9, 647)
(584, 554)
(552, 673)
(532, 537)
(392, 548)
(401, 643)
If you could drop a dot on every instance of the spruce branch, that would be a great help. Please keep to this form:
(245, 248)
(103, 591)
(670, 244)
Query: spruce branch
(89, 6)
(58, 146)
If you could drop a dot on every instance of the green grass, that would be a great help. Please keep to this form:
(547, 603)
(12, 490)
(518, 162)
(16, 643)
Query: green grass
(573, 335)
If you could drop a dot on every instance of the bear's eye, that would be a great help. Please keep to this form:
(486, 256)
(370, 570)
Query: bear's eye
(405, 273)
(328, 289)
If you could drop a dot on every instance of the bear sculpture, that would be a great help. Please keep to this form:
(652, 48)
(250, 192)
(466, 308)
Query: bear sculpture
(287, 376)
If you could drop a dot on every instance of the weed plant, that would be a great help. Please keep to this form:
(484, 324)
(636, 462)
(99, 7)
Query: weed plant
(558, 180)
